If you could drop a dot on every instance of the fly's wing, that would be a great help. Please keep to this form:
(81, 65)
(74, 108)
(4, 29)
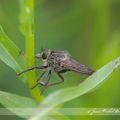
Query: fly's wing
(72, 65)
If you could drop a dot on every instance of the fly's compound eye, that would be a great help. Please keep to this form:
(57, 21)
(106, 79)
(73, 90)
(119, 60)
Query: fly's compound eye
(44, 56)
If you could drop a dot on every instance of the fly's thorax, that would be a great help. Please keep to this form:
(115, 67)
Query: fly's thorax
(58, 56)
(55, 59)
(54, 64)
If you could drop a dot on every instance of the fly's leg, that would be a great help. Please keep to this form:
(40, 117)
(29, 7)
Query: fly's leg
(52, 84)
(61, 78)
(36, 67)
(38, 80)
(47, 81)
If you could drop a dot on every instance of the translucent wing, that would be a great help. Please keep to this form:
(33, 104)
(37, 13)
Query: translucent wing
(72, 65)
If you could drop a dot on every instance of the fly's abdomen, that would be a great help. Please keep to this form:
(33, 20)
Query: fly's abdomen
(82, 69)
(73, 65)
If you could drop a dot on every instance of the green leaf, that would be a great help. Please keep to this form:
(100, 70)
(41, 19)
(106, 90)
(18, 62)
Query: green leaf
(10, 54)
(12, 101)
(59, 116)
(67, 94)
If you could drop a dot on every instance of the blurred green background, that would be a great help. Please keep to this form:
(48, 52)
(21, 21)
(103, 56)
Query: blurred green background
(88, 29)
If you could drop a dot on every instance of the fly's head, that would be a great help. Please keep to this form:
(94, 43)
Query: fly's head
(43, 55)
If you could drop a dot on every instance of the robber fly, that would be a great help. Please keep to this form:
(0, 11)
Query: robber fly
(59, 62)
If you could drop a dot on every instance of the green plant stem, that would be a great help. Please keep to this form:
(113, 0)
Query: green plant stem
(27, 25)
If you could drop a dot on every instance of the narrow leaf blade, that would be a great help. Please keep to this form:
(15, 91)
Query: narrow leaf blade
(10, 101)
(68, 94)
(10, 54)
